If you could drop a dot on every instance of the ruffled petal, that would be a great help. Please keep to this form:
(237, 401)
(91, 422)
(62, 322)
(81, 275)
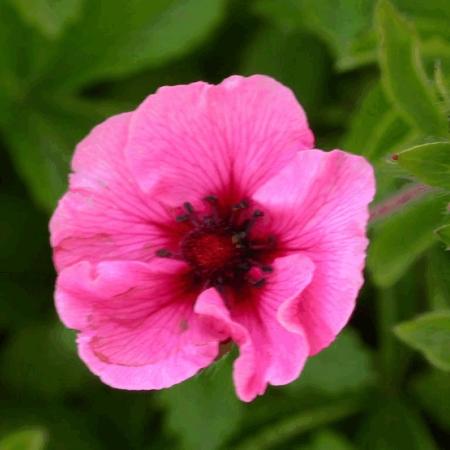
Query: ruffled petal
(319, 207)
(148, 377)
(136, 322)
(104, 215)
(269, 351)
(193, 140)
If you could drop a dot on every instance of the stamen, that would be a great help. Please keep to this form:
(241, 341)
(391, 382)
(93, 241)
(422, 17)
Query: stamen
(191, 214)
(214, 217)
(218, 245)
(258, 283)
(248, 223)
(235, 211)
(243, 204)
(238, 237)
(182, 218)
(188, 207)
(210, 199)
(245, 266)
(209, 220)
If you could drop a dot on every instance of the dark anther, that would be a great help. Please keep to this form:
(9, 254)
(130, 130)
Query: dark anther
(210, 199)
(247, 224)
(241, 235)
(243, 204)
(238, 237)
(245, 266)
(188, 207)
(182, 218)
(163, 253)
(259, 283)
(213, 203)
(209, 220)
(217, 243)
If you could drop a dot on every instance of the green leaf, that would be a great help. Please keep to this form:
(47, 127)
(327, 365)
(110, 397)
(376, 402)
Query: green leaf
(438, 278)
(338, 23)
(430, 334)
(204, 411)
(65, 428)
(403, 75)
(376, 129)
(361, 52)
(365, 122)
(285, 14)
(327, 373)
(42, 146)
(393, 359)
(395, 425)
(41, 154)
(20, 59)
(347, 25)
(49, 347)
(444, 235)
(27, 439)
(329, 440)
(430, 19)
(298, 60)
(402, 237)
(432, 9)
(430, 163)
(114, 39)
(50, 17)
(432, 390)
(392, 133)
(440, 80)
(278, 432)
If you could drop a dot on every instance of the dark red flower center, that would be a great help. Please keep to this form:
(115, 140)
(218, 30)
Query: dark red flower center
(220, 245)
(209, 251)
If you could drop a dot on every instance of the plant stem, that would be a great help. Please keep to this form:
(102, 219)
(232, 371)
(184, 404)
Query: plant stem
(397, 201)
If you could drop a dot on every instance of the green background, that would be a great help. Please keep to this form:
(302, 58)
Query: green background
(373, 78)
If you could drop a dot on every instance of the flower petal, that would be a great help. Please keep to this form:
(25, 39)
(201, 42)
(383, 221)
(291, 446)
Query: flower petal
(200, 139)
(104, 215)
(319, 207)
(161, 375)
(136, 322)
(269, 353)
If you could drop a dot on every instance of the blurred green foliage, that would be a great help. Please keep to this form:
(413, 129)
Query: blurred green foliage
(430, 163)
(374, 78)
(30, 439)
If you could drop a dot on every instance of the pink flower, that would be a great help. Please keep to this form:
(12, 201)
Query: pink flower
(201, 217)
